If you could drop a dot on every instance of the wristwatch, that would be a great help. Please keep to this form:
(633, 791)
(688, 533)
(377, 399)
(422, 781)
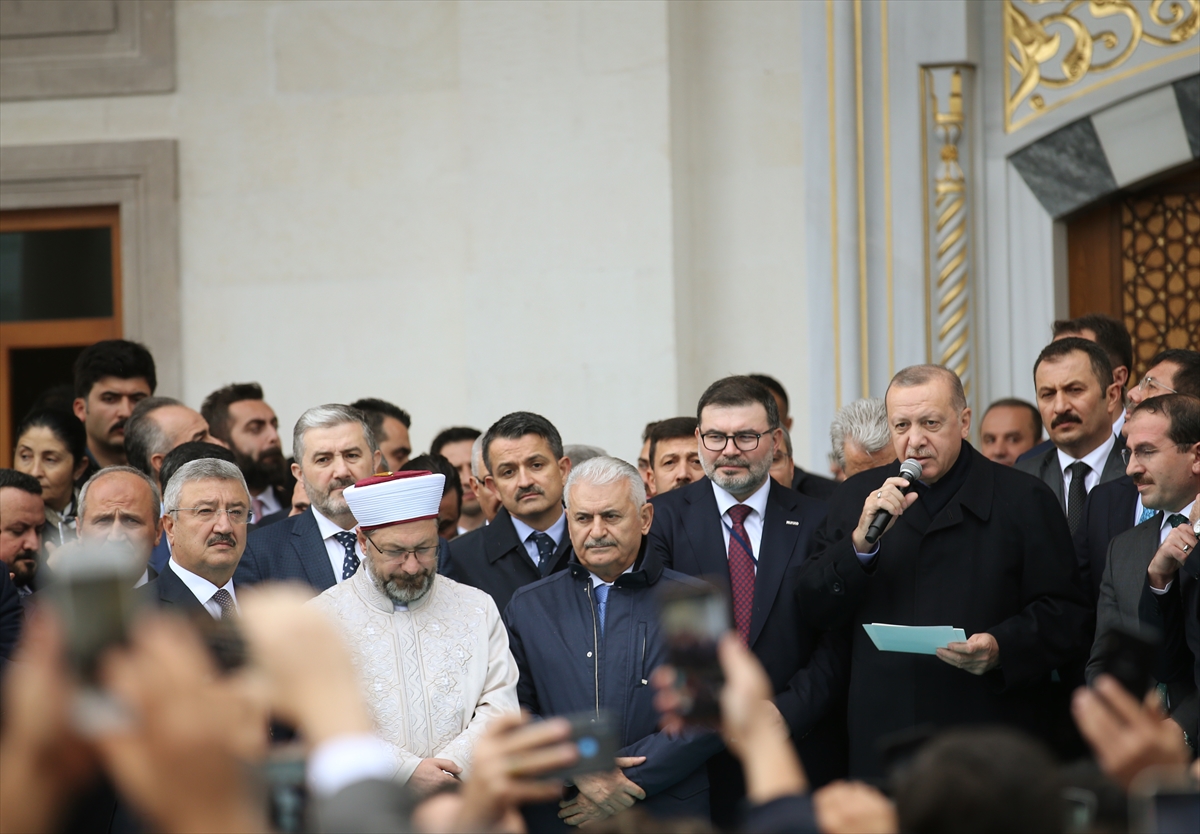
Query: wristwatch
(1196, 528)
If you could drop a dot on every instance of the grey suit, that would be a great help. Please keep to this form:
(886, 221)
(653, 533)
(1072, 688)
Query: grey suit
(1046, 467)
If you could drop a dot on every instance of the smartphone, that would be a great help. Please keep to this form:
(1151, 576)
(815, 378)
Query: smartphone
(595, 738)
(1130, 659)
(694, 619)
(1164, 801)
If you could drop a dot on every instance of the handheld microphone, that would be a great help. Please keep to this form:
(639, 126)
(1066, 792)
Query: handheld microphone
(910, 471)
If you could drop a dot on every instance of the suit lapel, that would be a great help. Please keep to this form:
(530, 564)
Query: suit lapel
(1051, 473)
(702, 526)
(310, 550)
(172, 591)
(1114, 467)
(775, 551)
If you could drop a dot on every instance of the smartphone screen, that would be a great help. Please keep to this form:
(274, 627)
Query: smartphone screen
(693, 621)
(1129, 659)
(596, 740)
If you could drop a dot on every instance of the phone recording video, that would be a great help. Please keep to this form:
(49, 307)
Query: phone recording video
(693, 621)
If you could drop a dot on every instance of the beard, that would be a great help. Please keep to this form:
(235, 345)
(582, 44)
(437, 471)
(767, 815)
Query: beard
(406, 588)
(331, 506)
(756, 474)
(269, 470)
(24, 568)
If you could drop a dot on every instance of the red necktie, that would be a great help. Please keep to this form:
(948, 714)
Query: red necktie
(741, 571)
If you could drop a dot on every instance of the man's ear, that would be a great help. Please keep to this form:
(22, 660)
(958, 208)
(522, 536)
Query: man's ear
(156, 463)
(378, 456)
(168, 527)
(647, 515)
(966, 422)
(80, 408)
(296, 471)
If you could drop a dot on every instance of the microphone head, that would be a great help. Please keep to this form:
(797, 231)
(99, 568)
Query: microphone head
(910, 470)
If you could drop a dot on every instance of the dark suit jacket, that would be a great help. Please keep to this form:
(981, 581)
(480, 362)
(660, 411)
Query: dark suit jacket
(1045, 466)
(996, 558)
(1129, 555)
(814, 486)
(271, 518)
(807, 667)
(1177, 613)
(161, 554)
(168, 591)
(1107, 513)
(292, 549)
(11, 616)
(493, 559)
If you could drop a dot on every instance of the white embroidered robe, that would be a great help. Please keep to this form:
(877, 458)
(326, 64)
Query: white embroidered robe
(434, 675)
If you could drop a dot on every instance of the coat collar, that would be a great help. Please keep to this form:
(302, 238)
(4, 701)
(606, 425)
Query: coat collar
(647, 570)
(974, 495)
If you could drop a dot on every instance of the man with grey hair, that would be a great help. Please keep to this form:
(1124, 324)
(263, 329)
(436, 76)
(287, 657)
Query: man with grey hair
(120, 505)
(334, 447)
(489, 501)
(206, 516)
(577, 453)
(606, 605)
(860, 436)
(156, 426)
(981, 547)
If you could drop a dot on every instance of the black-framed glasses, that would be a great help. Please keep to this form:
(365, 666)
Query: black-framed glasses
(746, 441)
(422, 553)
(206, 515)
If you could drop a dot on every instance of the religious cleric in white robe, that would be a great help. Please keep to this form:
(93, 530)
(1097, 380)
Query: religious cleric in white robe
(432, 654)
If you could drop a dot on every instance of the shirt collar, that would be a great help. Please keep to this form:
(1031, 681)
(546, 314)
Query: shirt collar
(597, 581)
(756, 502)
(328, 528)
(555, 531)
(200, 587)
(1186, 512)
(1120, 424)
(1094, 459)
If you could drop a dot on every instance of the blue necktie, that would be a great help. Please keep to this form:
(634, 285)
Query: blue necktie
(546, 548)
(602, 603)
(1147, 514)
(350, 564)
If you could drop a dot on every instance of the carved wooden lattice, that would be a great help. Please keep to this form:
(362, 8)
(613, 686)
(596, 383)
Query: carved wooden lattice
(1160, 258)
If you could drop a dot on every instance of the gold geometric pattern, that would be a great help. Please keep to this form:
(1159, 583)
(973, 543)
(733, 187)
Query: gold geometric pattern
(1160, 258)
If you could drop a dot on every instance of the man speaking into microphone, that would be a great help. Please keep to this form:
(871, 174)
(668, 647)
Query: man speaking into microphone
(971, 544)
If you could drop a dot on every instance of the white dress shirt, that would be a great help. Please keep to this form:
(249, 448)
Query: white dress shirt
(1163, 532)
(202, 589)
(1095, 459)
(270, 504)
(556, 531)
(1120, 424)
(754, 521)
(337, 553)
(597, 581)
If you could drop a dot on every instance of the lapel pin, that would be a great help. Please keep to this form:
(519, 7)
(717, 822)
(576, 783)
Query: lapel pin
(793, 523)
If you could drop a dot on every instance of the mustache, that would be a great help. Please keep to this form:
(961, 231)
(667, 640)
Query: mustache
(603, 542)
(120, 424)
(410, 582)
(340, 483)
(30, 555)
(530, 490)
(1064, 419)
(221, 538)
(1141, 478)
(731, 460)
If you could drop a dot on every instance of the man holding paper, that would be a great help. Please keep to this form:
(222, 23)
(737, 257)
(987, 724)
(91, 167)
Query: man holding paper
(974, 546)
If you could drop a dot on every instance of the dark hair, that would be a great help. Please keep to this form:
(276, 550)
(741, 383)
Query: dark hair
(143, 437)
(1182, 413)
(65, 427)
(113, 357)
(59, 397)
(1035, 416)
(23, 482)
(649, 428)
(773, 385)
(1187, 378)
(515, 426)
(188, 452)
(376, 410)
(1101, 366)
(740, 390)
(670, 429)
(980, 781)
(437, 464)
(455, 434)
(215, 408)
(1112, 336)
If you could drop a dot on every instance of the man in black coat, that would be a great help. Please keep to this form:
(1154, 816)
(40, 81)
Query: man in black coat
(528, 539)
(1110, 510)
(334, 448)
(700, 530)
(587, 639)
(976, 545)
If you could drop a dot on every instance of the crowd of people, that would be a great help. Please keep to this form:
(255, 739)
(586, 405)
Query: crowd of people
(359, 639)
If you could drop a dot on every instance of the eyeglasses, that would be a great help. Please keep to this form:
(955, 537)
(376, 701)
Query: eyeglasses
(422, 553)
(1143, 454)
(1149, 384)
(236, 515)
(746, 441)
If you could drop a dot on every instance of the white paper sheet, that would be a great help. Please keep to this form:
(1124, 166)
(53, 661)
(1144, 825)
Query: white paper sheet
(912, 639)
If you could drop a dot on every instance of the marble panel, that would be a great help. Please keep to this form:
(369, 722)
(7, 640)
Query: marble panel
(1142, 136)
(1187, 96)
(1066, 169)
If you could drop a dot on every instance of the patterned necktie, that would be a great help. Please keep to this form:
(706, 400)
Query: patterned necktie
(602, 604)
(350, 564)
(546, 548)
(1175, 519)
(1147, 514)
(225, 600)
(257, 507)
(741, 571)
(1076, 493)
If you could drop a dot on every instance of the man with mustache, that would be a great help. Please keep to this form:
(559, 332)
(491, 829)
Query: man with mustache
(1076, 396)
(741, 526)
(238, 416)
(1164, 463)
(432, 654)
(606, 603)
(456, 445)
(526, 468)
(22, 515)
(111, 377)
(333, 447)
(207, 513)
